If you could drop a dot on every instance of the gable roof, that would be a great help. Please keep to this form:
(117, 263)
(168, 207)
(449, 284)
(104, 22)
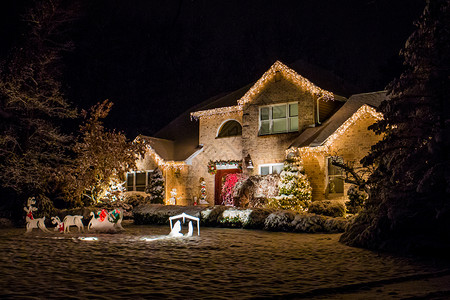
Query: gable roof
(317, 136)
(178, 140)
(236, 100)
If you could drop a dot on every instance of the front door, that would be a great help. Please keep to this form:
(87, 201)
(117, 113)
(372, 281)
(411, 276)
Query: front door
(220, 174)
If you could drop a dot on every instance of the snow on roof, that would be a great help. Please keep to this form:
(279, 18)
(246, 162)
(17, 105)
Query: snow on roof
(179, 139)
(317, 136)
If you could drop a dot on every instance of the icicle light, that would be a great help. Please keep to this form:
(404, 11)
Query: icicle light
(289, 74)
(278, 66)
(216, 111)
(325, 147)
(163, 164)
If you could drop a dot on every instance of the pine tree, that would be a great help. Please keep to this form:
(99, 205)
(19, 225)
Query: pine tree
(410, 201)
(294, 188)
(156, 187)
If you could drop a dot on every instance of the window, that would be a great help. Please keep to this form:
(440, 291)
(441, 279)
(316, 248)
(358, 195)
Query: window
(335, 183)
(278, 118)
(230, 128)
(270, 169)
(137, 181)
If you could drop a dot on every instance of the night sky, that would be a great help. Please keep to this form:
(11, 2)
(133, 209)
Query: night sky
(156, 59)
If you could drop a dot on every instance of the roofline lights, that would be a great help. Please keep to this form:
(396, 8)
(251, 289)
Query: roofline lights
(277, 68)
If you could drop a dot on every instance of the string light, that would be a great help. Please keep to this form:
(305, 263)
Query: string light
(326, 146)
(289, 74)
(278, 66)
(163, 164)
(216, 111)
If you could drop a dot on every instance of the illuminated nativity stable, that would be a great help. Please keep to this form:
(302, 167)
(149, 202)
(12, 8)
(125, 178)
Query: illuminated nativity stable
(253, 129)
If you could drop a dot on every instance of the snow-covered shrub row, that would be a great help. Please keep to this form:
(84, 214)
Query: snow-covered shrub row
(331, 208)
(255, 218)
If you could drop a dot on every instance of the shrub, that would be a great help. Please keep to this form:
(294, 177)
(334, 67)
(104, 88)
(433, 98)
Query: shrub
(332, 208)
(136, 200)
(357, 198)
(254, 190)
(156, 187)
(294, 189)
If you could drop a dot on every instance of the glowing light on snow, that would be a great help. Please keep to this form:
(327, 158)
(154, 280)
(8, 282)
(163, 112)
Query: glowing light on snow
(88, 238)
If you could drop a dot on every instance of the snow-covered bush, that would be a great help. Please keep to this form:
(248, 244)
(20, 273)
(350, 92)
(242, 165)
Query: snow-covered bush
(294, 188)
(332, 208)
(254, 191)
(156, 187)
(356, 198)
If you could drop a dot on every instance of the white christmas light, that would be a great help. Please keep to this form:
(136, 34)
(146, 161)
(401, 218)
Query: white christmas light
(325, 147)
(278, 66)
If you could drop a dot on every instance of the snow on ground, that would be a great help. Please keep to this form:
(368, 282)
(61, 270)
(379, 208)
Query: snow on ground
(221, 263)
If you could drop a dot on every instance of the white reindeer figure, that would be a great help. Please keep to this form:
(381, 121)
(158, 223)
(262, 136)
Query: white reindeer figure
(59, 225)
(32, 222)
(73, 221)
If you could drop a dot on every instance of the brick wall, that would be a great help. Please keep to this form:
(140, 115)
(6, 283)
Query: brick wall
(272, 148)
(352, 146)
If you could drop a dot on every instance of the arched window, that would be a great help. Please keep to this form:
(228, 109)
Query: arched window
(230, 128)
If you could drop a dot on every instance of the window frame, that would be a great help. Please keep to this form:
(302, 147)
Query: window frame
(341, 175)
(270, 167)
(223, 124)
(147, 172)
(271, 119)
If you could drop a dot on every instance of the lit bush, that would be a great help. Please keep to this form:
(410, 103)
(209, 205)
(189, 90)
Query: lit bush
(254, 191)
(295, 192)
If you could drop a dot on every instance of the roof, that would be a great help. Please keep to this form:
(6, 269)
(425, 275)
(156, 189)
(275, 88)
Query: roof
(179, 139)
(316, 136)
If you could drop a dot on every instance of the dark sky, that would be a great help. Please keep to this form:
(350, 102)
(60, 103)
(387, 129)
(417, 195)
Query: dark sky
(155, 59)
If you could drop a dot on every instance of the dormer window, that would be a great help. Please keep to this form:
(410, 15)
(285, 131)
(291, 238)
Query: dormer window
(278, 118)
(230, 128)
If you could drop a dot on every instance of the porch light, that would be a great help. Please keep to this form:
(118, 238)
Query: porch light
(248, 162)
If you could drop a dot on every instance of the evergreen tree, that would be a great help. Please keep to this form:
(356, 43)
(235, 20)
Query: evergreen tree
(156, 187)
(294, 188)
(410, 201)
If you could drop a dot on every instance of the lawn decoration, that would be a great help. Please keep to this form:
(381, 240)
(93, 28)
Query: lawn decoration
(73, 221)
(59, 225)
(172, 200)
(103, 221)
(175, 232)
(31, 221)
(203, 191)
(175, 229)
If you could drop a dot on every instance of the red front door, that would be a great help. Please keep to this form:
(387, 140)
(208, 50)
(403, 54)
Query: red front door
(219, 182)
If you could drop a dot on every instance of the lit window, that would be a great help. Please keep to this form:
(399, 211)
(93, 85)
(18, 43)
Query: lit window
(137, 181)
(230, 128)
(278, 118)
(335, 183)
(270, 169)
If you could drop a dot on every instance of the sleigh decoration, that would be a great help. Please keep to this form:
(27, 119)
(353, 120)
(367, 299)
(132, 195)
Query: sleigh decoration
(107, 222)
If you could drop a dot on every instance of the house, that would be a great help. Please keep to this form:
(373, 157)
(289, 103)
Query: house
(251, 130)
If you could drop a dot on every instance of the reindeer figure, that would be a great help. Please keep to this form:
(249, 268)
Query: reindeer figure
(32, 222)
(59, 225)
